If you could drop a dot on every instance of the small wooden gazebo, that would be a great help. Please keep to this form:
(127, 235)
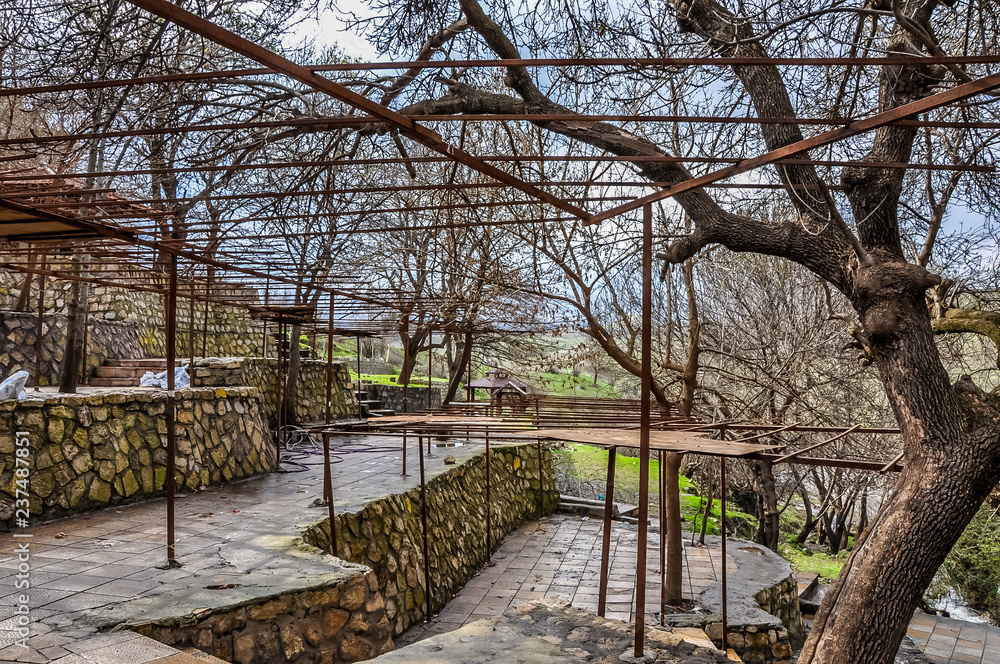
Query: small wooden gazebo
(502, 387)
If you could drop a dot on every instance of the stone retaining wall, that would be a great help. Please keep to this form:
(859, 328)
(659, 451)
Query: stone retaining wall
(765, 621)
(339, 622)
(391, 397)
(122, 325)
(367, 366)
(310, 398)
(387, 536)
(106, 340)
(90, 451)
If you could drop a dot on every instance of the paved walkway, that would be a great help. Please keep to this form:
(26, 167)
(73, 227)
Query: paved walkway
(950, 641)
(559, 556)
(83, 566)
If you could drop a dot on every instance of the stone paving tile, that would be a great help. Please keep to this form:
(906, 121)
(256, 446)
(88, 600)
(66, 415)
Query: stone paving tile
(106, 557)
(569, 565)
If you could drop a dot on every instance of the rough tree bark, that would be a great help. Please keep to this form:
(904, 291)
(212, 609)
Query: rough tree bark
(950, 434)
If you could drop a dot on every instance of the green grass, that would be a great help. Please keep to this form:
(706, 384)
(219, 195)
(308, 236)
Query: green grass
(591, 463)
(561, 384)
(827, 566)
(390, 379)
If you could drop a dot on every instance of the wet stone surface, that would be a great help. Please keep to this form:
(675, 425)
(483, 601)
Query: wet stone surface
(551, 631)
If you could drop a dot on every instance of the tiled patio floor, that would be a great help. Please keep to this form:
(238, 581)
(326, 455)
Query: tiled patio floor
(82, 564)
(950, 641)
(559, 556)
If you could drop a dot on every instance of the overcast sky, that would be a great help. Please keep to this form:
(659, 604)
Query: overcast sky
(327, 29)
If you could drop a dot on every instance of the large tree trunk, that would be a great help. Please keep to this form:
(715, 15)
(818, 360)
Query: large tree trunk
(950, 450)
(292, 377)
(72, 364)
(767, 505)
(455, 370)
(675, 552)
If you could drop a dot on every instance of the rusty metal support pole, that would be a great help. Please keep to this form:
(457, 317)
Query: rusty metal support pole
(722, 528)
(357, 389)
(468, 382)
(404, 453)
(423, 521)
(609, 508)
(430, 357)
(38, 324)
(169, 414)
(279, 388)
(85, 378)
(267, 303)
(329, 369)
(191, 331)
(489, 505)
(541, 479)
(328, 492)
(204, 318)
(647, 308)
(406, 361)
(663, 537)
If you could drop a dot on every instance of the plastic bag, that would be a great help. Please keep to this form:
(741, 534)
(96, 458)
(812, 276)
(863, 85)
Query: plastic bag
(181, 379)
(13, 387)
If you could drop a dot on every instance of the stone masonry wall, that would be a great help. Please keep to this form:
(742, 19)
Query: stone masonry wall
(391, 397)
(123, 325)
(387, 536)
(107, 340)
(771, 642)
(310, 395)
(100, 449)
(367, 366)
(342, 622)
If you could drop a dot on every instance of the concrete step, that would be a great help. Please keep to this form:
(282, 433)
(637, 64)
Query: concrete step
(126, 372)
(149, 362)
(697, 637)
(381, 412)
(586, 507)
(806, 582)
(113, 382)
(198, 657)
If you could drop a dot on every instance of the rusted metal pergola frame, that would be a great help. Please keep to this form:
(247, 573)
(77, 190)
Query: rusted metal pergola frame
(431, 140)
(477, 421)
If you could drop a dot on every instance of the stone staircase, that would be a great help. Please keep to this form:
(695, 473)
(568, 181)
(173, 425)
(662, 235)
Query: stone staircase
(371, 407)
(126, 373)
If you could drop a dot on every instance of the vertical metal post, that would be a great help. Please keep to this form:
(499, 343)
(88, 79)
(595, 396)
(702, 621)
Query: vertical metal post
(328, 492)
(204, 318)
(647, 307)
(329, 368)
(468, 383)
(423, 521)
(541, 477)
(430, 357)
(722, 527)
(357, 389)
(609, 507)
(85, 378)
(406, 361)
(663, 530)
(38, 324)
(279, 387)
(489, 505)
(267, 303)
(191, 329)
(404, 453)
(169, 414)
